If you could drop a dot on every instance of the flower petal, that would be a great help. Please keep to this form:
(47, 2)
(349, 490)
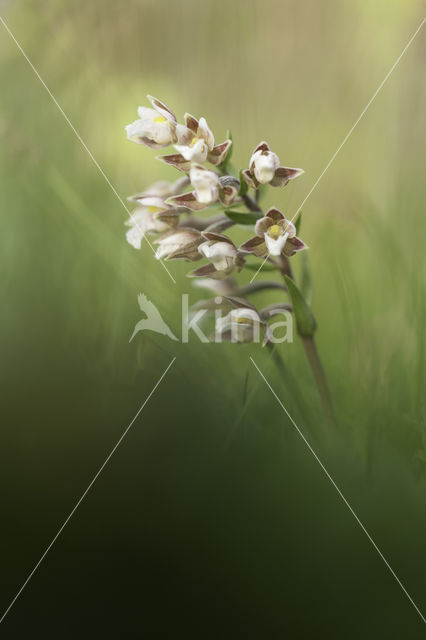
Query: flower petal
(161, 189)
(275, 214)
(205, 183)
(162, 108)
(262, 226)
(181, 243)
(152, 201)
(134, 236)
(255, 245)
(218, 153)
(170, 217)
(293, 245)
(196, 153)
(227, 195)
(220, 254)
(229, 189)
(216, 237)
(176, 160)
(151, 129)
(184, 135)
(250, 178)
(191, 122)
(275, 245)
(263, 165)
(187, 200)
(207, 270)
(283, 175)
(262, 146)
(205, 132)
(240, 303)
(137, 132)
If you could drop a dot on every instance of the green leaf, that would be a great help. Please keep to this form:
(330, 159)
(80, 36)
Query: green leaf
(305, 320)
(243, 185)
(243, 217)
(306, 281)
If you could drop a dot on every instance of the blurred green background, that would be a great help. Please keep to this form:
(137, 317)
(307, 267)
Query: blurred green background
(212, 519)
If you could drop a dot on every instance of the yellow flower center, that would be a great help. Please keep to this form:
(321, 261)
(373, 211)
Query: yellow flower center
(243, 320)
(275, 231)
(194, 141)
(159, 119)
(153, 209)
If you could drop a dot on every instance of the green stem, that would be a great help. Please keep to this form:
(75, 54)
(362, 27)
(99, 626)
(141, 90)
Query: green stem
(320, 379)
(254, 287)
(251, 204)
(314, 360)
(308, 342)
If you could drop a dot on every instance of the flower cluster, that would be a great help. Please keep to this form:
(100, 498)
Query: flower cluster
(168, 210)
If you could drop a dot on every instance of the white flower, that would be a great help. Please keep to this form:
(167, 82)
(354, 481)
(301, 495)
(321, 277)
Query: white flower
(239, 325)
(196, 151)
(143, 220)
(180, 243)
(264, 168)
(195, 139)
(220, 254)
(208, 188)
(264, 164)
(156, 127)
(226, 287)
(275, 235)
(195, 143)
(205, 183)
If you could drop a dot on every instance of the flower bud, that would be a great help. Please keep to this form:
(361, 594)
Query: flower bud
(239, 325)
(205, 183)
(264, 164)
(181, 243)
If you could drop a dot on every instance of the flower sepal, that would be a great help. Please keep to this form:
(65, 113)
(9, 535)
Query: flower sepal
(179, 244)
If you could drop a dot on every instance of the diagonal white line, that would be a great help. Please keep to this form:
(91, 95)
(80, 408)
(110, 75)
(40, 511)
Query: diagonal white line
(80, 500)
(345, 139)
(259, 268)
(340, 493)
(84, 145)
